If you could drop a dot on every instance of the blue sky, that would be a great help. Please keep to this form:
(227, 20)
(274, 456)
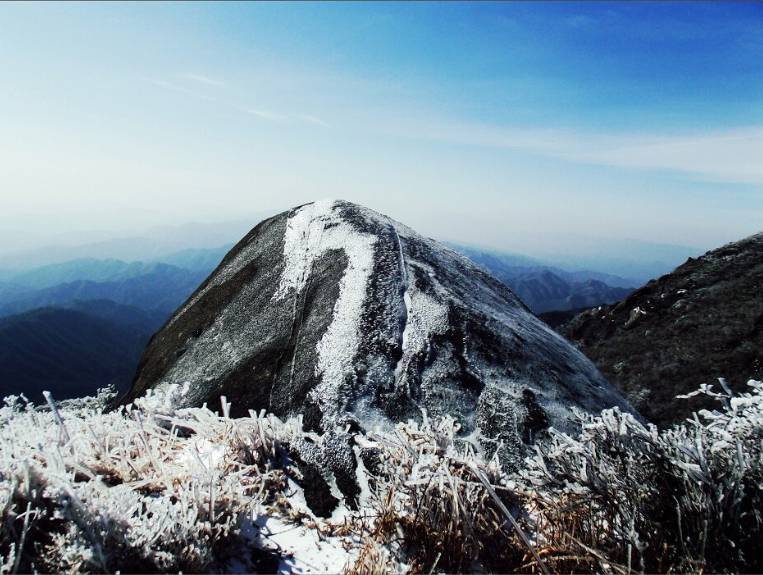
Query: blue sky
(501, 124)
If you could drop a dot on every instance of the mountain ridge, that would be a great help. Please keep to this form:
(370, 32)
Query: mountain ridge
(71, 352)
(161, 289)
(544, 287)
(706, 317)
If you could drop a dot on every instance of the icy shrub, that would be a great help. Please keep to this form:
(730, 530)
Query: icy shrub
(621, 497)
(138, 490)
(627, 496)
(437, 503)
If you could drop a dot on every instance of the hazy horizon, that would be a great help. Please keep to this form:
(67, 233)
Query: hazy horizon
(637, 260)
(499, 125)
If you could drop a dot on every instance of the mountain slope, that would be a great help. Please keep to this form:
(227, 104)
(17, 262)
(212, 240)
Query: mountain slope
(341, 315)
(70, 352)
(701, 322)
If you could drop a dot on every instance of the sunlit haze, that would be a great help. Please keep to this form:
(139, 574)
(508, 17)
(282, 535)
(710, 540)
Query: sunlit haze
(508, 125)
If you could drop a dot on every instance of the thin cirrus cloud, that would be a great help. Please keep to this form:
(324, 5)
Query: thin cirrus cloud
(174, 87)
(265, 114)
(285, 118)
(726, 156)
(731, 155)
(315, 120)
(260, 113)
(201, 79)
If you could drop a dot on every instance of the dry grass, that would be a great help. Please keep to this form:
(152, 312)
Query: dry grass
(143, 489)
(627, 497)
(154, 488)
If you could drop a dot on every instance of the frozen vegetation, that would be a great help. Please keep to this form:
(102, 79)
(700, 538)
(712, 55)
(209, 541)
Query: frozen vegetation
(154, 487)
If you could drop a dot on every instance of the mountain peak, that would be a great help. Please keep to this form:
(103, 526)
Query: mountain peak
(341, 315)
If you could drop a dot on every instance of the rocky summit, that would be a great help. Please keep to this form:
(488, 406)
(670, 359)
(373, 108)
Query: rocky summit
(342, 316)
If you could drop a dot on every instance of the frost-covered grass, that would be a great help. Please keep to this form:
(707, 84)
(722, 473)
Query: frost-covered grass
(628, 496)
(156, 488)
(141, 489)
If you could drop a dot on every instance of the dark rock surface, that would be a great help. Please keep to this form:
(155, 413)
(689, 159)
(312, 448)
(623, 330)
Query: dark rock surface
(350, 320)
(558, 318)
(701, 322)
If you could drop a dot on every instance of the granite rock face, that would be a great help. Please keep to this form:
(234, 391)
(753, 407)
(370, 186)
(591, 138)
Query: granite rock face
(351, 320)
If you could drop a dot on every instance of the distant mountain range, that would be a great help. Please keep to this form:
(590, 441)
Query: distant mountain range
(543, 287)
(156, 244)
(159, 285)
(72, 352)
(640, 260)
(132, 299)
(75, 326)
(162, 289)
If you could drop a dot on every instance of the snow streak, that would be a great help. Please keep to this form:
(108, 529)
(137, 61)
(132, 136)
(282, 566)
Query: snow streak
(312, 231)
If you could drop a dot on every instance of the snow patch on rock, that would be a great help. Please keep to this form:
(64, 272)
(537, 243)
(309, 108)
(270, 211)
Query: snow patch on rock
(303, 244)
(312, 231)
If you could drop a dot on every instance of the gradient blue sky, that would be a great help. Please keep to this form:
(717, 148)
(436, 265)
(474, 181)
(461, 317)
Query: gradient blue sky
(480, 122)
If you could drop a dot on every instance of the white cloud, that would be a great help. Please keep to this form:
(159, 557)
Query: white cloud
(278, 117)
(315, 120)
(732, 155)
(265, 114)
(261, 113)
(172, 87)
(201, 79)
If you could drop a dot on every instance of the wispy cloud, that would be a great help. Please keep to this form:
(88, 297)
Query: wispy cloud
(173, 87)
(201, 79)
(167, 85)
(260, 113)
(315, 120)
(265, 114)
(286, 118)
(731, 155)
(727, 156)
